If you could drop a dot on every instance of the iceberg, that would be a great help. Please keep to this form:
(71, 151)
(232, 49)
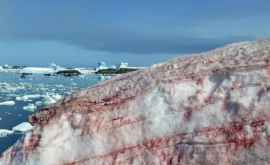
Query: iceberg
(5, 133)
(56, 67)
(28, 97)
(51, 99)
(101, 65)
(30, 107)
(37, 70)
(7, 103)
(23, 127)
(123, 65)
(38, 103)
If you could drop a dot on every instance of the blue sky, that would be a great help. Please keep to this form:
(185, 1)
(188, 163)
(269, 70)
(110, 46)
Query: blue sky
(82, 32)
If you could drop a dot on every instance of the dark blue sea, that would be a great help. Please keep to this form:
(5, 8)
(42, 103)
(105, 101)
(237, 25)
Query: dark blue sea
(30, 94)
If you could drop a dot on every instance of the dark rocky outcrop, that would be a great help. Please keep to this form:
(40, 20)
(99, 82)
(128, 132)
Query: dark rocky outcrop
(69, 73)
(115, 71)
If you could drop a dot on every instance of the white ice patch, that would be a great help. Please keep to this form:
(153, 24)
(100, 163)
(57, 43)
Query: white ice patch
(37, 70)
(51, 99)
(28, 97)
(30, 107)
(38, 103)
(7, 103)
(23, 127)
(5, 133)
(160, 119)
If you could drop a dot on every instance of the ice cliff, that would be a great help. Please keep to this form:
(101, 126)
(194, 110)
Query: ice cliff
(208, 109)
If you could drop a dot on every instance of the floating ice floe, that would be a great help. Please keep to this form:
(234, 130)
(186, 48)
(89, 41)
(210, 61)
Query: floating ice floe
(28, 97)
(51, 99)
(23, 127)
(7, 103)
(30, 107)
(103, 78)
(8, 88)
(38, 103)
(5, 133)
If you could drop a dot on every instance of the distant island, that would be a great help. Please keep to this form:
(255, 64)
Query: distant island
(56, 70)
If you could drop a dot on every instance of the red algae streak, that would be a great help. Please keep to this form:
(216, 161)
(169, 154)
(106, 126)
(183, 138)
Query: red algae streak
(32, 142)
(234, 140)
(168, 149)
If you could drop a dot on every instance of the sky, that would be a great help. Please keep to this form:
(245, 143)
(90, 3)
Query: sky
(141, 32)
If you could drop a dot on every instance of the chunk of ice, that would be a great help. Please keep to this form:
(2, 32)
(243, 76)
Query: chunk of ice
(28, 97)
(30, 107)
(8, 103)
(5, 133)
(23, 127)
(37, 70)
(51, 99)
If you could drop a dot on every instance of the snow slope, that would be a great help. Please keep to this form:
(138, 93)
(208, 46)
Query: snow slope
(209, 109)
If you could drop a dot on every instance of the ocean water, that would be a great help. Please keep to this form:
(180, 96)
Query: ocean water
(30, 94)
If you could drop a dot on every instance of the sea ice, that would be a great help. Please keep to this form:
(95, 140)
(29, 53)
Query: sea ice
(28, 97)
(5, 133)
(51, 99)
(30, 107)
(23, 127)
(7, 103)
(8, 88)
(38, 103)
